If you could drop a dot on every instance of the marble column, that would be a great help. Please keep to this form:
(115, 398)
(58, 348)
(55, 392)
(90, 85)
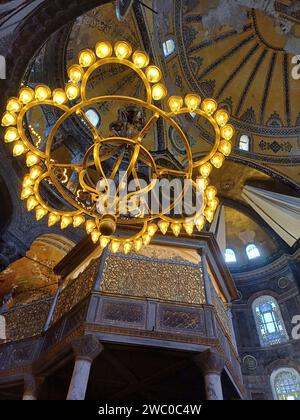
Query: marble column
(31, 387)
(86, 349)
(211, 364)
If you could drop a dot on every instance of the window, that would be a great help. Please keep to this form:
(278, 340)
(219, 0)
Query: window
(230, 256)
(252, 252)
(93, 116)
(286, 384)
(269, 322)
(244, 143)
(169, 47)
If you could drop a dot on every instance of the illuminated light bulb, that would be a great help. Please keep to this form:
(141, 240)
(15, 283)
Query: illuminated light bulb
(59, 97)
(209, 214)
(11, 134)
(163, 226)
(200, 222)
(53, 219)
(9, 119)
(175, 103)
(65, 222)
(32, 203)
(27, 181)
(104, 242)
(87, 58)
(214, 204)
(209, 106)
(26, 95)
(140, 59)
(192, 101)
(202, 183)
(146, 239)
(152, 229)
(221, 117)
(127, 247)
(95, 235)
(211, 192)
(78, 221)
(205, 170)
(115, 246)
(26, 193)
(159, 92)
(104, 49)
(176, 228)
(32, 159)
(42, 92)
(153, 74)
(19, 149)
(227, 132)
(189, 228)
(123, 50)
(225, 147)
(217, 160)
(138, 244)
(40, 212)
(90, 226)
(35, 172)
(72, 91)
(75, 73)
(14, 105)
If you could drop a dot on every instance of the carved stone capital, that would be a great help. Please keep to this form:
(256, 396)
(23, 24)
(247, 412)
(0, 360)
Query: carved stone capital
(210, 362)
(87, 347)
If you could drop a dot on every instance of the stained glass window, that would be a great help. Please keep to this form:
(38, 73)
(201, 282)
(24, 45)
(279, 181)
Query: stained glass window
(286, 384)
(252, 252)
(269, 322)
(169, 47)
(230, 256)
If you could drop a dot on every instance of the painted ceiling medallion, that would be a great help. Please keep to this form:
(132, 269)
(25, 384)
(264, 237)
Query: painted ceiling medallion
(76, 184)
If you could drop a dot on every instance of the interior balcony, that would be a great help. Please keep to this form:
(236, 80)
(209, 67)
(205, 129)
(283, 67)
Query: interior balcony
(171, 301)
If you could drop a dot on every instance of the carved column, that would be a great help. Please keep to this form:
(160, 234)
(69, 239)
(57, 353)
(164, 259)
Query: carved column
(86, 350)
(31, 387)
(211, 364)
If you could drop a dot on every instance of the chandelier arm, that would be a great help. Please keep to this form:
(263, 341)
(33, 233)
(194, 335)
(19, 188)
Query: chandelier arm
(96, 135)
(147, 127)
(46, 205)
(114, 60)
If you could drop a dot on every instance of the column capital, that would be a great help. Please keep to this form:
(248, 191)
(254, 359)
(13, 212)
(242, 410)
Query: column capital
(87, 347)
(210, 362)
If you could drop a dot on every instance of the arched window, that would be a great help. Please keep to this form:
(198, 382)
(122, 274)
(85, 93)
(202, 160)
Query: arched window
(252, 252)
(286, 384)
(93, 116)
(269, 322)
(169, 47)
(230, 256)
(244, 143)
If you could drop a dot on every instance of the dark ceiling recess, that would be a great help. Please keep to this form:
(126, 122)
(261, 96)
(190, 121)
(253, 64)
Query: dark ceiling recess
(5, 206)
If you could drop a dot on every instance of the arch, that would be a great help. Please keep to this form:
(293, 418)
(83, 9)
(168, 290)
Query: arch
(269, 322)
(285, 383)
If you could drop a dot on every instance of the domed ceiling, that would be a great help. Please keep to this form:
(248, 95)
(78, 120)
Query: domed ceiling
(244, 63)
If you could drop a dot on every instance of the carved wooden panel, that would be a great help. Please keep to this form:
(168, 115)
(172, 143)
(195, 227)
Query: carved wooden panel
(181, 319)
(123, 313)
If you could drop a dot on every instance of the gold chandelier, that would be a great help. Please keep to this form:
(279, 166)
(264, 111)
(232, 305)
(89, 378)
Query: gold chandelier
(72, 100)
